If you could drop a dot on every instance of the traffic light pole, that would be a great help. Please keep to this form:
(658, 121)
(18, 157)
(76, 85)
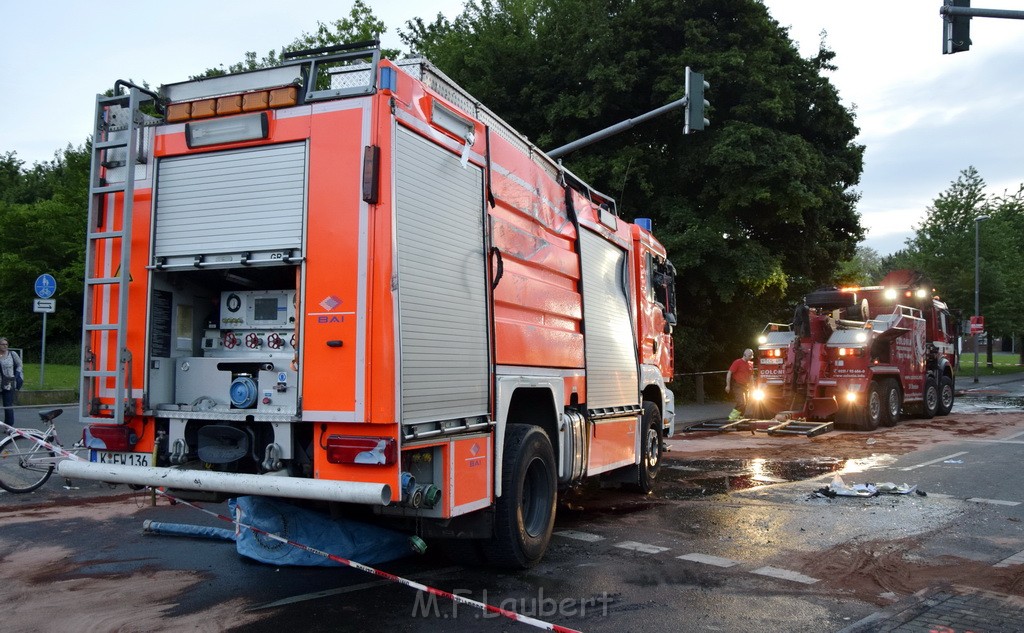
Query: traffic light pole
(693, 100)
(615, 129)
(956, 23)
(981, 13)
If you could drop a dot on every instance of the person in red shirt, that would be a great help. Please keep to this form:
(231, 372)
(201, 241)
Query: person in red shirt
(739, 373)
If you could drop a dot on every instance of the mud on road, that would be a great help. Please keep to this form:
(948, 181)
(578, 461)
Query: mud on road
(86, 587)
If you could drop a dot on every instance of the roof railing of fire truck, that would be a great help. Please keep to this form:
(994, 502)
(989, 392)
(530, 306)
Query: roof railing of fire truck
(317, 64)
(158, 103)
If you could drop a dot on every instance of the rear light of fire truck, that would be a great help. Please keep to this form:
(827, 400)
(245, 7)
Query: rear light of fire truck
(344, 449)
(107, 437)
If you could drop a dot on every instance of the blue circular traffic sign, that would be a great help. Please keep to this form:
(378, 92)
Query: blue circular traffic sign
(46, 285)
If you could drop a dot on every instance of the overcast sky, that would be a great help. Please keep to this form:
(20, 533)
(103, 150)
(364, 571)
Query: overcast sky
(923, 116)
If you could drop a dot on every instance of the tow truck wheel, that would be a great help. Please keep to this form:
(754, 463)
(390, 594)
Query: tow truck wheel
(946, 395)
(650, 458)
(930, 406)
(524, 514)
(892, 399)
(873, 410)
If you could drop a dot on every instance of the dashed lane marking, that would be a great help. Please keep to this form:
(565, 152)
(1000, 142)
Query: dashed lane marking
(580, 536)
(1016, 559)
(995, 502)
(641, 547)
(707, 559)
(934, 461)
(785, 574)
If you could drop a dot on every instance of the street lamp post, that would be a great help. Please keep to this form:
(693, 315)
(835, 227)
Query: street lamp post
(977, 285)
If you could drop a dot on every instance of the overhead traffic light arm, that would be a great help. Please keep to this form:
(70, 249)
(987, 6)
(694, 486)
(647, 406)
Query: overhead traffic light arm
(694, 103)
(956, 23)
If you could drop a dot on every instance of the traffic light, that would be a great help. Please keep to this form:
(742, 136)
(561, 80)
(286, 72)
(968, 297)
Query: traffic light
(695, 102)
(956, 29)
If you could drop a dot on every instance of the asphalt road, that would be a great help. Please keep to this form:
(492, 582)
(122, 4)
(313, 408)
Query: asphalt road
(767, 557)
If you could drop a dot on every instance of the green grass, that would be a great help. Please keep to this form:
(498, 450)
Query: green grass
(1002, 363)
(54, 377)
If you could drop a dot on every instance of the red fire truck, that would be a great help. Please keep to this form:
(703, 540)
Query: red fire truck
(860, 356)
(342, 279)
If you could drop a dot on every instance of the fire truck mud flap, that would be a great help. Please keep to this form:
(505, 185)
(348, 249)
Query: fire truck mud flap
(232, 483)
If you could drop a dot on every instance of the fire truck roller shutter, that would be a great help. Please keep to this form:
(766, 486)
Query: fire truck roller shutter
(611, 357)
(442, 292)
(231, 202)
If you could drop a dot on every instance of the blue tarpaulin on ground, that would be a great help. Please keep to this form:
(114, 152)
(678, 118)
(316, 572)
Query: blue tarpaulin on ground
(362, 542)
(368, 544)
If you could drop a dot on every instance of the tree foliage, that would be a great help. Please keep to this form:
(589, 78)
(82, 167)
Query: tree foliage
(755, 210)
(951, 242)
(360, 25)
(865, 268)
(42, 218)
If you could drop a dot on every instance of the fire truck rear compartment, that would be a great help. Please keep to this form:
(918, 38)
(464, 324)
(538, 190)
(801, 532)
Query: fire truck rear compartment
(222, 378)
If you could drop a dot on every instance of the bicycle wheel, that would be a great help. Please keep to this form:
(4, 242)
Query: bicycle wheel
(22, 465)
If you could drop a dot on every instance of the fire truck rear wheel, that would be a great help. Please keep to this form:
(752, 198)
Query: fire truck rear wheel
(525, 512)
(892, 400)
(946, 395)
(650, 458)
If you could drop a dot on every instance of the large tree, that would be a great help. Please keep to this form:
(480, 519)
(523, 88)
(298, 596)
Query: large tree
(755, 210)
(42, 211)
(951, 244)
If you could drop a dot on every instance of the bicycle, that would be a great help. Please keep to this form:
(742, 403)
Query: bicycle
(25, 464)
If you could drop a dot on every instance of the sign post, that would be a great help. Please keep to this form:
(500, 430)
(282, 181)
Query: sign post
(46, 286)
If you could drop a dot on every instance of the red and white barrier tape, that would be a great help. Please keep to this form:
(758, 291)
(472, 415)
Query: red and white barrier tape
(54, 448)
(512, 615)
(547, 626)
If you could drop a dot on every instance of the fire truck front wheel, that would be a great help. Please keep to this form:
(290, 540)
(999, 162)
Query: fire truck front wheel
(525, 512)
(650, 458)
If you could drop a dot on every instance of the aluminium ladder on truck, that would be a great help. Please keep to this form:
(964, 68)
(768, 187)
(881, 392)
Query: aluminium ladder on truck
(118, 150)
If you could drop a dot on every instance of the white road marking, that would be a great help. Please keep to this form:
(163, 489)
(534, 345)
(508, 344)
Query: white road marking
(707, 559)
(995, 502)
(580, 536)
(785, 574)
(641, 547)
(934, 461)
(1016, 559)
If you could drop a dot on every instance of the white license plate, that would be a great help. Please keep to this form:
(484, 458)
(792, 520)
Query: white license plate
(771, 361)
(115, 457)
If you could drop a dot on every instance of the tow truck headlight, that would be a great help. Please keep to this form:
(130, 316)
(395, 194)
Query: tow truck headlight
(851, 396)
(758, 394)
(861, 337)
